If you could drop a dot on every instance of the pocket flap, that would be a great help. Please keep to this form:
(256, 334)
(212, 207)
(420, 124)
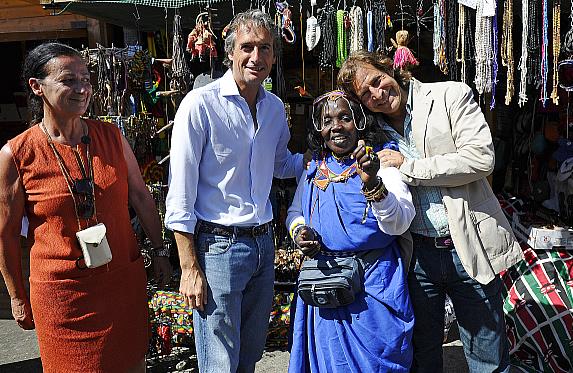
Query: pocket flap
(92, 235)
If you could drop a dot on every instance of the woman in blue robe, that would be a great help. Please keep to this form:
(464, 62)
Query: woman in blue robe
(330, 214)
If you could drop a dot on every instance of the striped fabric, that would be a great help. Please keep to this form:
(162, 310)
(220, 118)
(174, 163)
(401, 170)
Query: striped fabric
(539, 312)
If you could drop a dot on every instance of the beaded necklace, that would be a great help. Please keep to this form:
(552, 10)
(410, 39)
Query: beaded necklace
(324, 175)
(379, 14)
(341, 39)
(494, 59)
(451, 39)
(327, 21)
(483, 53)
(544, 44)
(356, 29)
(556, 48)
(524, 52)
(460, 42)
(507, 49)
(533, 44)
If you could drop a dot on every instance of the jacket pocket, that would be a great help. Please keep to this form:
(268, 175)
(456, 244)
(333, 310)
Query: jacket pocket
(492, 228)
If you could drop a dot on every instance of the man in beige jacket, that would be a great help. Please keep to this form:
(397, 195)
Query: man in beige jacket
(461, 238)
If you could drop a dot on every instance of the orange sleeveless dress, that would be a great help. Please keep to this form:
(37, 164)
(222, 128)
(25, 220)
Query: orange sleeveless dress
(87, 320)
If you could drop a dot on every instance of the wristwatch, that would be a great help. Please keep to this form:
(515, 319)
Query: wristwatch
(160, 251)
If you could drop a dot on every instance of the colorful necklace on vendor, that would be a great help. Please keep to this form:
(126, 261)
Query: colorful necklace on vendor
(324, 175)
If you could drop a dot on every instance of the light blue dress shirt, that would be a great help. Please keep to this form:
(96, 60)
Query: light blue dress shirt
(221, 169)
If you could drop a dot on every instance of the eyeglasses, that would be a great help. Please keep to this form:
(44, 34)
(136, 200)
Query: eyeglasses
(83, 190)
(333, 96)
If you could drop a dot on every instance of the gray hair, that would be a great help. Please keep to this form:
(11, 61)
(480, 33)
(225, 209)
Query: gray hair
(253, 18)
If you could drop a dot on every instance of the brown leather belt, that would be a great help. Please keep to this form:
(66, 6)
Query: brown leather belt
(445, 242)
(231, 231)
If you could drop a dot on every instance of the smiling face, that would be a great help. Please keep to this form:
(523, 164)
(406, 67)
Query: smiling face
(253, 57)
(338, 130)
(66, 90)
(378, 91)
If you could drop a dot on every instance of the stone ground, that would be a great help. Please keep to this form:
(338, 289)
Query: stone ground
(19, 354)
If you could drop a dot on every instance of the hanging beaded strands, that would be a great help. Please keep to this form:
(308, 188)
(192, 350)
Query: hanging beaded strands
(494, 66)
(327, 21)
(356, 29)
(341, 37)
(440, 35)
(533, 44)
(379, 15)
(524, 52)
(483, 54)
(556, 48)
(465, 48)
(460, 43)
(544, 44)
(507, 49)
(451, 39)
(180, 70)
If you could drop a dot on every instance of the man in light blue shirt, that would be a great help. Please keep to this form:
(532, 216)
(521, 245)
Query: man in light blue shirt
(229, 140)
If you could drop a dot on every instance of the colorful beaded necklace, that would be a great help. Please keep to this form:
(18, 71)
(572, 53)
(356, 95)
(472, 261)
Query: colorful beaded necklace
(325, 175)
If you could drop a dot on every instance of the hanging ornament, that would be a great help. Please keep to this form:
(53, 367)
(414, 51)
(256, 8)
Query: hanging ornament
(403, 57)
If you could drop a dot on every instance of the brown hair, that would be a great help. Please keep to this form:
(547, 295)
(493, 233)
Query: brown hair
(377, 60)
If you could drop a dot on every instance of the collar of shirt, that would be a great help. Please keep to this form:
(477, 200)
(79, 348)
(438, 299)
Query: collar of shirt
(394, 135)
(229, 87)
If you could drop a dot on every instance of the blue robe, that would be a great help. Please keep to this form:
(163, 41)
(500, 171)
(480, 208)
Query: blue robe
(373, 334)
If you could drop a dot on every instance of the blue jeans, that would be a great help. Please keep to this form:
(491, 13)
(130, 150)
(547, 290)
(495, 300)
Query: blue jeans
(230, 333)
(479, 312)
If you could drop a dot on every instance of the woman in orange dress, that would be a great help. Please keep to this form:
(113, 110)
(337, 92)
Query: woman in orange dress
(66, 174)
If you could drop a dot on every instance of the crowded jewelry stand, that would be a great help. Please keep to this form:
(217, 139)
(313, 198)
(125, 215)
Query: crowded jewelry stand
(522, 82)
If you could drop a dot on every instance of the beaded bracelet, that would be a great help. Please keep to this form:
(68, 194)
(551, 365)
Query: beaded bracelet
(160, 251)
(377, 193)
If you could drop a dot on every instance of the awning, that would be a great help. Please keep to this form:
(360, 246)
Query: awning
(151, 15)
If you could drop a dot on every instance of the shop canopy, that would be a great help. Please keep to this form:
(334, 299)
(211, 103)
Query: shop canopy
(151, 15)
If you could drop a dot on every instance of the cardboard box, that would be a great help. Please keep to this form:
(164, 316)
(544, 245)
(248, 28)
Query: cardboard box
(546, 238)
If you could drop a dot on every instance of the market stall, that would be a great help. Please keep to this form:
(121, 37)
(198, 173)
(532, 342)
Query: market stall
(516, 54)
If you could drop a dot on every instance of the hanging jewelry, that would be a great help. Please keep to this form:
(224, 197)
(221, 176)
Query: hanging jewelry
(483, 53)
(180, 70)
(533, 44)
(556, 48)
(451, 39)
(356, 29)
(380, 22)
(507, 49)
(494, 60)
(544, 44)
(341, 39)
(460, 43)
(523, 60)
(327, 21)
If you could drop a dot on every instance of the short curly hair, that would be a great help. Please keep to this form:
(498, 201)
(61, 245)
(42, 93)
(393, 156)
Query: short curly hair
(250, 18)
(372, 133)
(378, 60)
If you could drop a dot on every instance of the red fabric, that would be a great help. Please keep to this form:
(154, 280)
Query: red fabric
(90, 320)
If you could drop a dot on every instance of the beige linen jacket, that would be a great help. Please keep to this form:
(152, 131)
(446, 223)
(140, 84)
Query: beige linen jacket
(456, 150)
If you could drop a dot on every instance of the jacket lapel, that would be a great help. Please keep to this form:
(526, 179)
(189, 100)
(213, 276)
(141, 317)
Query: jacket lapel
(421, 109)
